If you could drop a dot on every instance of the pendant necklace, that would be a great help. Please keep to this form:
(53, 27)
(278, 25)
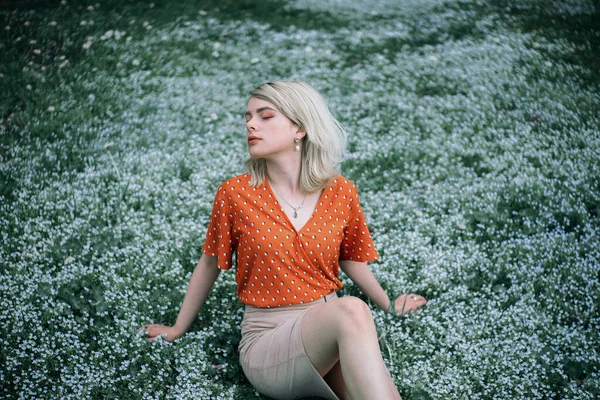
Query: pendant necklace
(295, 208)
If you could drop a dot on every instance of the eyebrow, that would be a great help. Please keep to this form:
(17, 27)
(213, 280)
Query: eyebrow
(259, 110)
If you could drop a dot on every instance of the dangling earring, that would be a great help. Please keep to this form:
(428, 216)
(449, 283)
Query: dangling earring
(297, 140)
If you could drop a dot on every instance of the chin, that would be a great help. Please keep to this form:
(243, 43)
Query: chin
(255, 154)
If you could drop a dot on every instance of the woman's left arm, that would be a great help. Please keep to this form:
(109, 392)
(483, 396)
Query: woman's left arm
(361, 275)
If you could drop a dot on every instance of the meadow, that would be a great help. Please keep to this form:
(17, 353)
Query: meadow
(474, 140)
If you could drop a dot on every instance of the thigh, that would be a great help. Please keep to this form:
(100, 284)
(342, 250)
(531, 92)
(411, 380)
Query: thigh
(335, 380)
(322, 327)
(320, 342)
(276, 365)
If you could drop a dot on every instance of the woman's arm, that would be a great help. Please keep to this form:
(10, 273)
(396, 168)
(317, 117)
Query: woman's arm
(204, 276)
(362, 276)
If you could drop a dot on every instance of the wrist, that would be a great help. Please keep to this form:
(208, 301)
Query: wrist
(178, 331)
(391, 308)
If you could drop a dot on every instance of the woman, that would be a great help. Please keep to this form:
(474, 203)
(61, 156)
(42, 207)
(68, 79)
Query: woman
(292, 222)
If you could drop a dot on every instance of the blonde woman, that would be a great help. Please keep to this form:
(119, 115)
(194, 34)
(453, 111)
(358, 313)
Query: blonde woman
(292, 222)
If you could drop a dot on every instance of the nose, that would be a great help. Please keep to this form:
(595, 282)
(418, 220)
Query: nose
(250, 126)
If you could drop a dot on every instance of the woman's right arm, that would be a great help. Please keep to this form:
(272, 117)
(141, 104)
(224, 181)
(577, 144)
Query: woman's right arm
(204, 276)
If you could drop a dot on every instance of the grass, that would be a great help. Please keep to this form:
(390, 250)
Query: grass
(474, 142)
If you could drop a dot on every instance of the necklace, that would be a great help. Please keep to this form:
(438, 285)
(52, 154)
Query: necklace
(295, 208)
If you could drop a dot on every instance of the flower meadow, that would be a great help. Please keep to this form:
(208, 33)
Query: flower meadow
(474, 140)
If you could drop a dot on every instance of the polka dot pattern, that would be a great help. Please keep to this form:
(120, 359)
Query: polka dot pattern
(277, 265)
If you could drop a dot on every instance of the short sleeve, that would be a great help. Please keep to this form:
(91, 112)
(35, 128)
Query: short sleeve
(357, 244)
(218, 240)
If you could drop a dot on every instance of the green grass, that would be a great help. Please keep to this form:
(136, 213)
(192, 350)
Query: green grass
(474, 141)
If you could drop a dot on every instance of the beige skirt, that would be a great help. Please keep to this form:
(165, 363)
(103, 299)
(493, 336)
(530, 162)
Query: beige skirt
(272, 354)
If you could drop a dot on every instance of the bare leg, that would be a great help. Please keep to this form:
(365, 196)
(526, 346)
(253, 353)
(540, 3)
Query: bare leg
(343, 330)
(335, 380)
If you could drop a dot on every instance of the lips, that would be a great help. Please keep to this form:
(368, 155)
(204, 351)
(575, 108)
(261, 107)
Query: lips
(253, 139)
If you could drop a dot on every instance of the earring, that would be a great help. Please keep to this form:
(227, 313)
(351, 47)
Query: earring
(297, 140)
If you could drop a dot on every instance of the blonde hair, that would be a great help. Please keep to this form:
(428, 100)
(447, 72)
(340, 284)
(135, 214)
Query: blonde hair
(324, 144)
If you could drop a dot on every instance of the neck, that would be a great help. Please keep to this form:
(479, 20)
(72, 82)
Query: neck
(285, 175)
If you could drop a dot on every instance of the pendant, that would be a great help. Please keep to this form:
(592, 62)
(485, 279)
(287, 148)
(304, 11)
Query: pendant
(295, 214)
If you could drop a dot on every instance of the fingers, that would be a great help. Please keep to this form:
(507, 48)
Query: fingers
(409, 304)
(153, 331)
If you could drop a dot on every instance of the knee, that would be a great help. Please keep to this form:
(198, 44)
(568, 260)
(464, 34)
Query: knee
(354, 313)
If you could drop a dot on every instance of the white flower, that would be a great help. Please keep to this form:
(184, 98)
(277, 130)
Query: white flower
(216, 45)
(69, 260)
(107, 35)
(51, 108)
(135, 62)
(62, 57)
(462, 226)
(52, 23)
(418, 213)
(87, 45)
(202, 12)
(254, 60)
(548, 64)
(164, 37)
(7, 27)
(215, 54)
(37, 51)
(308, 49)
(433, 58)
(32, 41)
(63, 64)
(83, 22)
(90, 8)
(28, 87)
(26, 23)
(151, 5)
(63, 2)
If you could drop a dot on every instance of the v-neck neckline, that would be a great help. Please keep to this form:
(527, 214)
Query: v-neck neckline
(286, 216)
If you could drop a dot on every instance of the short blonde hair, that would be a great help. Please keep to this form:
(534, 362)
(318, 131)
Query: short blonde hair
(323, 145)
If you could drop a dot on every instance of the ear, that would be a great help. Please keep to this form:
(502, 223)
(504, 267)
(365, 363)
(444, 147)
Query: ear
(300, 133)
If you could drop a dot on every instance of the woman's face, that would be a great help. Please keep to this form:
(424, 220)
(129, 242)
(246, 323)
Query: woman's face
(268, 131)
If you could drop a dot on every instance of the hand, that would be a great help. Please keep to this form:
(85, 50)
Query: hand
(408, 303)
(153, 331)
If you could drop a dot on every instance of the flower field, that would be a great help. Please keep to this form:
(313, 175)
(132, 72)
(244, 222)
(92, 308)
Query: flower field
(474, 140)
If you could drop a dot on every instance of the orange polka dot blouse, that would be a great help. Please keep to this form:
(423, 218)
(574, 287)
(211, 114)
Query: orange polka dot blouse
(276, 265)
